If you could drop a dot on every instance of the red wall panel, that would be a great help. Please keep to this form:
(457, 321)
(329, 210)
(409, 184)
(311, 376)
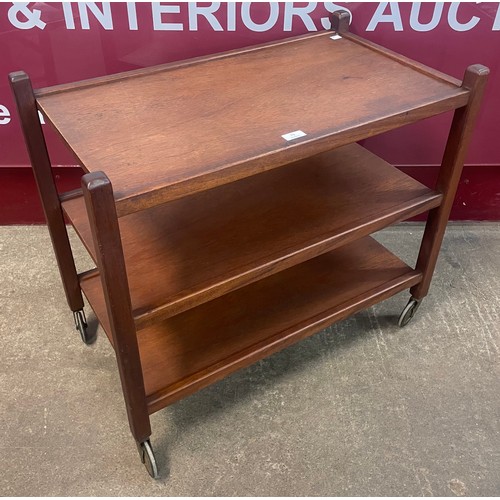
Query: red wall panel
(58, 43)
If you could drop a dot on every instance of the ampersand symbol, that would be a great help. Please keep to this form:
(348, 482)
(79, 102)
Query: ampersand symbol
(32, 17)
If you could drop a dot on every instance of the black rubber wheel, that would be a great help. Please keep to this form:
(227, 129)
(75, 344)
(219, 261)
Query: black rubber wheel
(408, 312)
(148, 459)
(82, 326)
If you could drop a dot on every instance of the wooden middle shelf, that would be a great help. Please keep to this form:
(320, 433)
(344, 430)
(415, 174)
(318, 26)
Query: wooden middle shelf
(191, 350)
(186, 252)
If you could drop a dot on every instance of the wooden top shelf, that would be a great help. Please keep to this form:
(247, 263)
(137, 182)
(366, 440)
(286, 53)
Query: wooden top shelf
(165, 132)
(189, 251)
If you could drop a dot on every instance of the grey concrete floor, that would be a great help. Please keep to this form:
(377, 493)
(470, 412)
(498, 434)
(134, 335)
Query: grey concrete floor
(362, 408)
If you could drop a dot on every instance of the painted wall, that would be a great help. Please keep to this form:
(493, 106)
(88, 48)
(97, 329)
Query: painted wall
(57, 43)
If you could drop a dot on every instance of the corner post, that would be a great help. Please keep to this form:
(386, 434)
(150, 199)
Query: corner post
(40, 162)
(340, 21)
(101, 209)
(475, 79)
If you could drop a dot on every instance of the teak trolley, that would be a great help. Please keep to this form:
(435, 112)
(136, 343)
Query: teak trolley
(210, 257)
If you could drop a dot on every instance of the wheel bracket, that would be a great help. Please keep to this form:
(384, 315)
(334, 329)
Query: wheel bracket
(409, 311)
(82, 327)
(148, 458)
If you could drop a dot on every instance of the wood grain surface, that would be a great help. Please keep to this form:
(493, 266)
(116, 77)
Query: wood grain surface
(475, 79)
(195, 348)
(42, 171)
(115, 296)
(191, 250)
(161, 136)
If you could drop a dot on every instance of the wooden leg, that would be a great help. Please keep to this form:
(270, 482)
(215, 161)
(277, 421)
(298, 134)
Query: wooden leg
(40, 162)
(101, 209)
(449, 176)
(340, 20)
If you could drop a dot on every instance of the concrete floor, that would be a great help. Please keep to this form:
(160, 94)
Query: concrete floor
(362, 408)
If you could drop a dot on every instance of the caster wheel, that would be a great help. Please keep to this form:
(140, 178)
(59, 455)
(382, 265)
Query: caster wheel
(148, 458)
(81, 325)
(408, 312)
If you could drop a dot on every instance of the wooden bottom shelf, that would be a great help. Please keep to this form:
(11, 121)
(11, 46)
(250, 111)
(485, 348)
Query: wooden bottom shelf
(195, 348)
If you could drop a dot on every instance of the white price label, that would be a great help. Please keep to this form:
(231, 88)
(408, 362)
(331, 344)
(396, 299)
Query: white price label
(293, 135)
